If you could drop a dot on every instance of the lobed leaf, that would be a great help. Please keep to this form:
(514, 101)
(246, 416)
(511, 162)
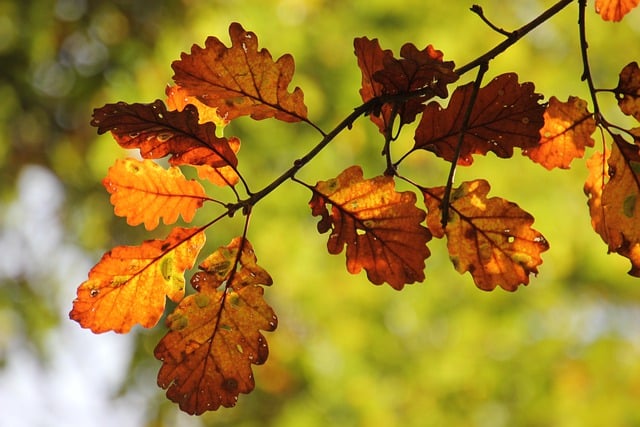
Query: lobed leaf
(158, 132)
(144, 192)
(240, 80)
(614, 10)
(613, 189)
(178, 99)
(491, 238)
(380, 227)
(506, 115)
(628, 90)
(214, 334)
(129, 284)
(566, 132)
(382, 74)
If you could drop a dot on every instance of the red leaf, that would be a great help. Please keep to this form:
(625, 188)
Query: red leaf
(380, 227)
(628, 90)
(240, 80)
(614, 10)
(158, 132)
(506, 114)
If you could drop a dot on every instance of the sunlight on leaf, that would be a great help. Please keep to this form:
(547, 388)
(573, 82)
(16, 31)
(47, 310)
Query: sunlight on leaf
(144, 192)
(130, 283)
(506, 115)
(566, 132)
(615, 10)
(178, 99)
(240, 80)
(380, 227)
(491, 238)
(214, 335)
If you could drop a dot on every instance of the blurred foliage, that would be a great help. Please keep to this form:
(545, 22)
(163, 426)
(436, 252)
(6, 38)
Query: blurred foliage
(562, 352)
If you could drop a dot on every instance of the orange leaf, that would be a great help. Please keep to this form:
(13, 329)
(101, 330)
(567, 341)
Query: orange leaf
(613, 188)
(382, 74)
(158, 132)
(240, 80)
(178, 99)
(381, 228)
(628, 90)
(566, 132)
(130, 283)
(491, 238)
(614, 10)
(506, 114)
(214, 338)
(144, 192)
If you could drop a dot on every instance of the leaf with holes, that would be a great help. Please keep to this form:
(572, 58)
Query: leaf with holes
(613, 188)
(130, 284)
(144, 192)
(214, 335)
(491, 238)
(566, 132)
(382, 74)
(628, 90)
(158, 132)
(380, 227)
(240, 80)
(615, 10)
(506, 115)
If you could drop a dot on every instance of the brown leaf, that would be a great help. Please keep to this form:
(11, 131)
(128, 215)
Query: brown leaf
(506, 114)
(240, 80)
(144, 192)
(214, 338)
(130, 283)
(382, 74)
(566, 132)
(158, 132)
(380, 227)
(628, 90)
(491, 238)
(613, 188)
(178, 99)
(614, 10)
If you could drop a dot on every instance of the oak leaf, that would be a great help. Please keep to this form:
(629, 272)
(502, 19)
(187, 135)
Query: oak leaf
(382, 74)
(566, 132)
(130, 284)
(178, 99)
(380, 227)
(506, 115)
(628, 90)
(214, 335)
(491, 238)
(144, 192)
(613, 189)
(158, 132)
(240, 80)
(614, 10)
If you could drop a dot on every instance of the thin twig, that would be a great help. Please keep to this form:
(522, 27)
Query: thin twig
(478, 11)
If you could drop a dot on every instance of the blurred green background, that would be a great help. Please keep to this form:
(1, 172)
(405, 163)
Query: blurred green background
(564, 351)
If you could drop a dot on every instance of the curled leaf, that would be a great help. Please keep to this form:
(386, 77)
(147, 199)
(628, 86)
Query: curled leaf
(380, 227)
(214, 335)
(491, 238)
(628, 90)
(566, 132)
(506, 115)
(130, 283)
(144, 192)
(240, 80)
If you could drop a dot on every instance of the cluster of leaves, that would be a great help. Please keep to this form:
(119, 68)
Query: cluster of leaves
(215, 333)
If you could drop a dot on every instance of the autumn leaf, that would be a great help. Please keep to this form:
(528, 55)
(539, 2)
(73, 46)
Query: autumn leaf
(178, 99)
(613, 189)
(380, 227)
(214, 335)
(240, 80)
(144, 192)
(130, 284)
(506, 115)
(566, 132)
(614, 10)
(491, 238)
(382, 74)
(158, 132)
(628, 90)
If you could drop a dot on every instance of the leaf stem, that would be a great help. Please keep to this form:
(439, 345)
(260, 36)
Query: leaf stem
(584, 45)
